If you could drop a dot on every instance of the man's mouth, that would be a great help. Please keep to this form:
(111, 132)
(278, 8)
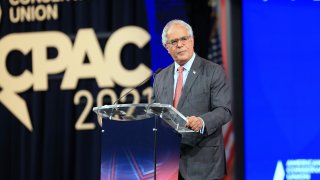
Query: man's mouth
(180, 52)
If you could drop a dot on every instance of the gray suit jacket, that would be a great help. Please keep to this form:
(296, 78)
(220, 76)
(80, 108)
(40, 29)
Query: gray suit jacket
(205, 94)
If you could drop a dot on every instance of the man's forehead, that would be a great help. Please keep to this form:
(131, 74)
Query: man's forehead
(177, 30)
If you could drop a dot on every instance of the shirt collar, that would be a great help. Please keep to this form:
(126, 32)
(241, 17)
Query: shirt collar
(186, 66)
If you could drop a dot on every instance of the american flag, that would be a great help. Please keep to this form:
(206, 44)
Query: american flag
(214, 51)
(217, 53)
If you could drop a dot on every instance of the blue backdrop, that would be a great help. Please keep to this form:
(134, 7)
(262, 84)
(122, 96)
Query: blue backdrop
(281, 63)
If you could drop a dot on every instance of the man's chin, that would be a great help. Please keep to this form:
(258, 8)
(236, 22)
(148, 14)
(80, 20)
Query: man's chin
(182, 57)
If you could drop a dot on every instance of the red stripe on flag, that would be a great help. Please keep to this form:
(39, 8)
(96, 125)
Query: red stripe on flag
(228, 133)
(223, 20)
(230, 128)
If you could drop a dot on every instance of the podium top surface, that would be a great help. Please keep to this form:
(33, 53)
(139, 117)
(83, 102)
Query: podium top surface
(132, 112)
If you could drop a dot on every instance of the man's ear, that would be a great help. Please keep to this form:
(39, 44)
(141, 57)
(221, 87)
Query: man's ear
(192, 41)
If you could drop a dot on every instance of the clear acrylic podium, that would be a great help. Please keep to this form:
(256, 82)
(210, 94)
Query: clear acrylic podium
(129, 112)
(140, 141)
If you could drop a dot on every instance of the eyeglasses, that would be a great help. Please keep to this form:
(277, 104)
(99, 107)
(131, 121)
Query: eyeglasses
(174, 42)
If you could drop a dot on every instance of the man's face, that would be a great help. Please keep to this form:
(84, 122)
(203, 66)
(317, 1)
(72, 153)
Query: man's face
(180, 44)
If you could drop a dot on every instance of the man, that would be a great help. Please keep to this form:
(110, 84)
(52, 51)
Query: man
(198, 89)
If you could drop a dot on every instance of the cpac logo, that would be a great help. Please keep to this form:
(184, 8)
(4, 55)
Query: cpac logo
(105, 67)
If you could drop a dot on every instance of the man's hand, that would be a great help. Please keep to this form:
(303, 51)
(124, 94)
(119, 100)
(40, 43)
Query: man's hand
(194, 123)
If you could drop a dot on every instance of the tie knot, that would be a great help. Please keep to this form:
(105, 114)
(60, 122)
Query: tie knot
(180, 69)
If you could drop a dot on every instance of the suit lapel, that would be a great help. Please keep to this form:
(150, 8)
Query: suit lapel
(169, 85)
(192, 76)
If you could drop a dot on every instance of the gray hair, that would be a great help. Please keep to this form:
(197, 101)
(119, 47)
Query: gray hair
(169, 24)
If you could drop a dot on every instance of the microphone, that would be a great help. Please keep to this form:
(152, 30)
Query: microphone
(153, 75)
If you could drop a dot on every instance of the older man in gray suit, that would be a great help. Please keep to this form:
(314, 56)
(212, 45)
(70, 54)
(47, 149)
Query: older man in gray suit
(198, 89)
